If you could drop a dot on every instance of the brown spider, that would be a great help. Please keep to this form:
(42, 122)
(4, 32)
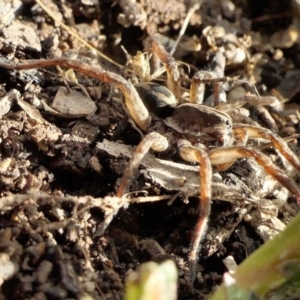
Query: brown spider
(202, 134)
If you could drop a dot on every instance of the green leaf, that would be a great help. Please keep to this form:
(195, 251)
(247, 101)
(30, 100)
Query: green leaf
(152, 281)
(271, 267)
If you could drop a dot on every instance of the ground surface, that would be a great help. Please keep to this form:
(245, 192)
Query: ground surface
(58, 179)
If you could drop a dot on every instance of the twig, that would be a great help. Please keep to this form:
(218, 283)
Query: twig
(71, 32)
(195, 7)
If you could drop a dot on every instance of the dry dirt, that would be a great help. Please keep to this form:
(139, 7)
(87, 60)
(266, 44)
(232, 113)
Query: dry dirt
(57, 183)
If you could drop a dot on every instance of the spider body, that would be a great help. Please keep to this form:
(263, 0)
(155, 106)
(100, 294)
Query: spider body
(202, 134)
(196, 122)
(202, 124)
(205, 135)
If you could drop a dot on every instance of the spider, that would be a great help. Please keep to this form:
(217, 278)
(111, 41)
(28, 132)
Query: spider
(202, 134)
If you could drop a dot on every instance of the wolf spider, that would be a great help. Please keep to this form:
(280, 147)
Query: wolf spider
(202, 134)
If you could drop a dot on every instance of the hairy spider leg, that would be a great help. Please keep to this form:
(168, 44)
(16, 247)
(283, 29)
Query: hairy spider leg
(152, 140)
(192, 154)
(228, 154)
(244, 132)
(133, 102)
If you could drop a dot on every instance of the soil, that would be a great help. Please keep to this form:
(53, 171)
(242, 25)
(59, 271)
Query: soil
(58, 181)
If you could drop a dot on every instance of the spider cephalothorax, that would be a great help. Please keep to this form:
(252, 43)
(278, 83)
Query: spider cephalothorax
(202, 134)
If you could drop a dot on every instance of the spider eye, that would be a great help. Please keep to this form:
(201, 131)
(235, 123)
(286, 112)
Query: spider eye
(228, 123)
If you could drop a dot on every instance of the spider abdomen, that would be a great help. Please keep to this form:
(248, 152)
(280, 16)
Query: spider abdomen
(202, 121)
(159, 100)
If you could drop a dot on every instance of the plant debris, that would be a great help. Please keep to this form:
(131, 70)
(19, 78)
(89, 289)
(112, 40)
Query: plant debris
(65, 141)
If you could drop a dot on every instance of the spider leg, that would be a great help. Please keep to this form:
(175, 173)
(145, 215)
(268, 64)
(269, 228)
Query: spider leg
(173, 82)
(152, 140)
(254, 100)
(198, 81)
(135, 105)
(228, 154)
(197, 88)
(252, 132)
(193, 154)
(189, 153)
